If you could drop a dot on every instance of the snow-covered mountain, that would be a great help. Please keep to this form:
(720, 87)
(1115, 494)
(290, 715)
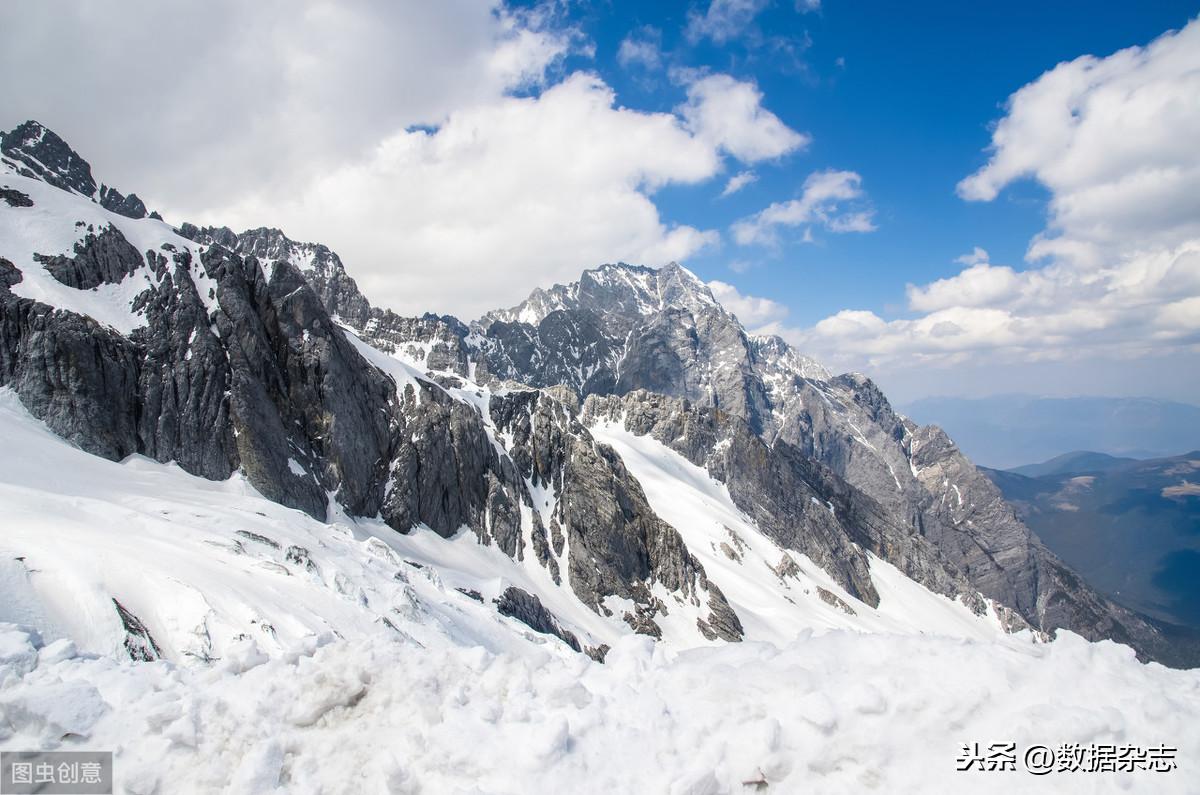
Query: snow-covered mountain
(223, 462)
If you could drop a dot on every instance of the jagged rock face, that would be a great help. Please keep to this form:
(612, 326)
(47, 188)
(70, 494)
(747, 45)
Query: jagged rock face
(920, 477)
(440, 341)
(242, 364)
(617, 331)
(37, 152)
(793, 499)
(43, 155)
(322, 269)
(129, 206)
(973, 524)
(104, 258)
(596, 514)
(299, 391)
(446, 474)
(184, 377)
(263, 380)
(622, 328)
(76, 375)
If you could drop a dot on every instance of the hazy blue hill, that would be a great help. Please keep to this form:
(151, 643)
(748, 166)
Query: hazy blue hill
(1132, 530)
(1078, 461)
(1012, 430)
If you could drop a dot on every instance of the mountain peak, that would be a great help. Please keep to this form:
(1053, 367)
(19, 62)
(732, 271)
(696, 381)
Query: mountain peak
(34, 150)
(612, 289)
(41, 154)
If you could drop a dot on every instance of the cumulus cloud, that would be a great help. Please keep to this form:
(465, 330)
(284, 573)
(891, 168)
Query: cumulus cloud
(263, 94)
(1116, 272)
(829, 199)
(738, 181)
(440, 148)
(504, 196)
(729, 114)
(523, 191)
(758, 315)
(1113, 139)
(642, 47)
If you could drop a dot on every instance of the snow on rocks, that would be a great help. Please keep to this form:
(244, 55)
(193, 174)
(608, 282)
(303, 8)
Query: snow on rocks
(52, 226)
(304, 657)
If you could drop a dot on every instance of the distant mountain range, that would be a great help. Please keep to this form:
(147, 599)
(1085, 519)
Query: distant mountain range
(1132, 528)
(1008, 431)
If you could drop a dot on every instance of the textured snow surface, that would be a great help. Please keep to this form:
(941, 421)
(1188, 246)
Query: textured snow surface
(52, 226)
(842, 712)
(369, 671)
(745, 563)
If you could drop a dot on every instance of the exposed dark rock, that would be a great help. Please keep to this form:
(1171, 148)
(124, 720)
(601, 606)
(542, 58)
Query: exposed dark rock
(722, 621)
(598, 653)
(528, 609)
(104, 258)
(139, 644)
(40, 154)
(617, 544)
(129, 206)
(9, 275)
(45, 156)
(14, 198)
(471, 593)
(830, 598)
(261, 539)
(301, 557)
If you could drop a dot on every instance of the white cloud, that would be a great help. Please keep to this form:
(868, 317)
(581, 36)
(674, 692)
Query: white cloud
(738, 181)
(504, 196)
(729, 114)
(756, 314)
(169, 93)
(723, 20)
(1114, 140)
(823, 202)
(388, 130)
(642, 47)
(982, 284)
(1116, 273)
(976, 256)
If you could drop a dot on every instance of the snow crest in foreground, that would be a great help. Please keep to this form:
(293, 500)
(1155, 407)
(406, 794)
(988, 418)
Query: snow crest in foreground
(839, 712)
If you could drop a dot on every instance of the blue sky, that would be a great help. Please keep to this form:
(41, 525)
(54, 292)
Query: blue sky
(956, 198)
(902, 93)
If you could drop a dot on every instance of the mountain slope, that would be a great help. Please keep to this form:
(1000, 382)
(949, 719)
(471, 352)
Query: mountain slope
(254, 356)
(388, 648)
(621, 329)
(251, 518)
(224, 364)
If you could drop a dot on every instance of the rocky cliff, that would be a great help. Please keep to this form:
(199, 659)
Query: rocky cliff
(251, 353)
